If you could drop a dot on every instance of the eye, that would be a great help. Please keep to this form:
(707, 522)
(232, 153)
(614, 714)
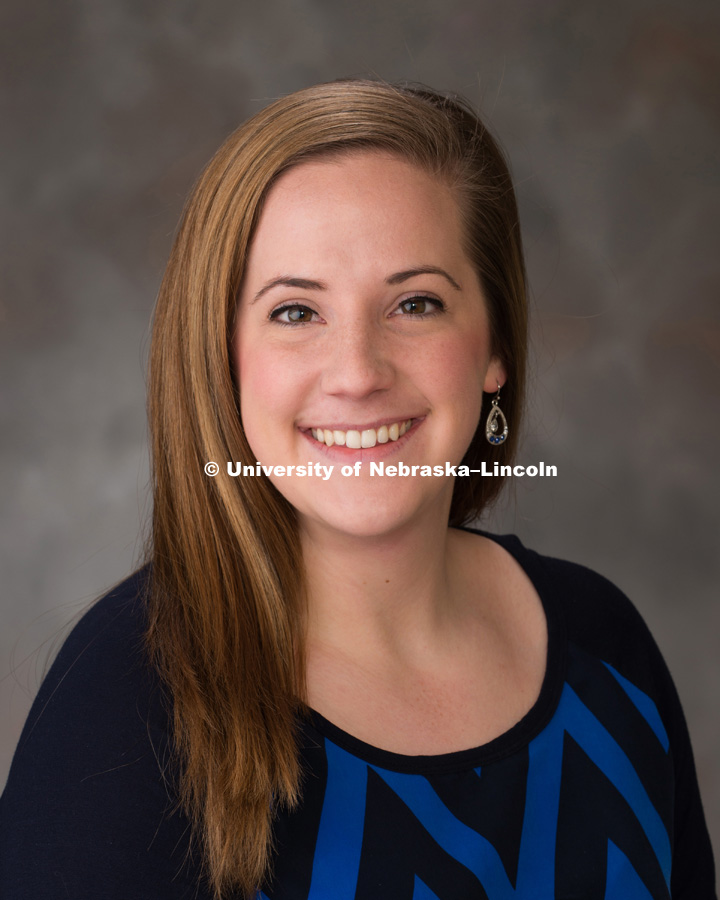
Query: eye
(420, 307)
(292, 314)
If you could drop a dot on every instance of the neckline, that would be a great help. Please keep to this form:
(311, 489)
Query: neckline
(510, 741)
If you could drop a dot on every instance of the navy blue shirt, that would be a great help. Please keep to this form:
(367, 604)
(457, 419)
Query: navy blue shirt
(593, 794)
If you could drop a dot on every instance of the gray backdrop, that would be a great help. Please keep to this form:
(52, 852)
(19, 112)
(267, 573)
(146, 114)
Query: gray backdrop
(610, 114)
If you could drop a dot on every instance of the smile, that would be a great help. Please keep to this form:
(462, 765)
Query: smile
(362, 440)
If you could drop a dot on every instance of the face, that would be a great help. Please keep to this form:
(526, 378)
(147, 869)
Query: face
(362, 335)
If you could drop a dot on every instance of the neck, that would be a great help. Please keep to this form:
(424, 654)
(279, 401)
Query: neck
(390, 594)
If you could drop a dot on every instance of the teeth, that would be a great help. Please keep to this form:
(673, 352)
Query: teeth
(366, 439)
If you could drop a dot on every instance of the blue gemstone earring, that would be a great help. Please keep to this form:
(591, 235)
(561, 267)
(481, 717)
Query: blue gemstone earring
(496, 421)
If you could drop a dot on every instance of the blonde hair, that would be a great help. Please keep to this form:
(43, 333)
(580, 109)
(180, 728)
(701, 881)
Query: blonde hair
(226, 588)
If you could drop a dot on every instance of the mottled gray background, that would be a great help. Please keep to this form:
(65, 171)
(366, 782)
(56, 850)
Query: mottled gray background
(610, 114)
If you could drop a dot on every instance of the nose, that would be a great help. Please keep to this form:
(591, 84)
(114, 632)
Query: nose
(357, 361)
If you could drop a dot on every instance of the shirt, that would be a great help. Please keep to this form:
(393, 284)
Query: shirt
(593, 794)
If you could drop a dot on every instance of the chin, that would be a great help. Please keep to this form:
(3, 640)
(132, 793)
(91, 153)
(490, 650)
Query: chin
(377, 513)
(362, 528)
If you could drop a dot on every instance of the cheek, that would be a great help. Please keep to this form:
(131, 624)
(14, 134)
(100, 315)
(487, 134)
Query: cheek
(252, 364)
(458, 364)
(271, 389)
(459, 373)
(258, 395)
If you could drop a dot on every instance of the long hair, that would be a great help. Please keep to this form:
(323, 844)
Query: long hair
(226, 590)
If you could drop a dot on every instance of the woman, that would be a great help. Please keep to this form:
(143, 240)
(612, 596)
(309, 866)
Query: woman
(323, 685)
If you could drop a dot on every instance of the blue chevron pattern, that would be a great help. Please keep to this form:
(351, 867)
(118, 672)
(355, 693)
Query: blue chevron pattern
(422, 891)
(340, 835)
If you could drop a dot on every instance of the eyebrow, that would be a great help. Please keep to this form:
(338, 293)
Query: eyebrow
(307, 284)
(399, 277)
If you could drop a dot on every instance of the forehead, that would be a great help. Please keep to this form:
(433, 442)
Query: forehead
(365, 205)
(376, 165)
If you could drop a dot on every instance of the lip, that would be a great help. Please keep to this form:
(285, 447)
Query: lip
(370, 454)
(353, 426)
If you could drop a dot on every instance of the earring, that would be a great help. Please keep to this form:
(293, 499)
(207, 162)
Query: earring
(495, 421)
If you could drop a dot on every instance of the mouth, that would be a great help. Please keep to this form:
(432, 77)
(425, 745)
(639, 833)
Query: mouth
(362, 438)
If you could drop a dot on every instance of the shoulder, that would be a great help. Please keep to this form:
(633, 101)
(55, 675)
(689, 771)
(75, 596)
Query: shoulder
(99, 703)
(90, 800)
(101, 670)
(605, 641)
(595, 632)
(110, 629)
(593, 614)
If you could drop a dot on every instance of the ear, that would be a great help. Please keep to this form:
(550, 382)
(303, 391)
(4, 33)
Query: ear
(494, 376)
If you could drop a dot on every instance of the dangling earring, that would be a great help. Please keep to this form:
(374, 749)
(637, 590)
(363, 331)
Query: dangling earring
(495, 421)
